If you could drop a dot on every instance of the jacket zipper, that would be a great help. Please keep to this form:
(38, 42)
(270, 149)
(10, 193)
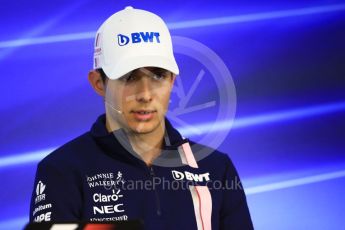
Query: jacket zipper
(158, 205)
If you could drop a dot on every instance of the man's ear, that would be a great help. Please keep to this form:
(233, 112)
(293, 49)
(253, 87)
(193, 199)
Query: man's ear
(96, 82)
(173, 77)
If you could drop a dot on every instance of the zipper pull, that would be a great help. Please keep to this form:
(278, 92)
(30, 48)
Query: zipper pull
(152, 173)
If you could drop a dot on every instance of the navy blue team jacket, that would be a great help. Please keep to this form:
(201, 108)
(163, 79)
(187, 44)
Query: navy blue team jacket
(95, 178)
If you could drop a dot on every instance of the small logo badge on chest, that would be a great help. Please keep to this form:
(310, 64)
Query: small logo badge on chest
(190, 176)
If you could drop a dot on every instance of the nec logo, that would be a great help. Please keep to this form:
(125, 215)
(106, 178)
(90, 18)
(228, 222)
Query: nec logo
(138, 37)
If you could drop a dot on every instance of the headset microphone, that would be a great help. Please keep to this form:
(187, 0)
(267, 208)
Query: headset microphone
(111, 106)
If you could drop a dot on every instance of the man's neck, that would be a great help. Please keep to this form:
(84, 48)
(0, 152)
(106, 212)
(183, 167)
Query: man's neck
(147, 145)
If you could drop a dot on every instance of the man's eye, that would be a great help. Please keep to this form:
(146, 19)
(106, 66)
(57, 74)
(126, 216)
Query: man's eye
(130, 78)
(158, 76)
(161, 75)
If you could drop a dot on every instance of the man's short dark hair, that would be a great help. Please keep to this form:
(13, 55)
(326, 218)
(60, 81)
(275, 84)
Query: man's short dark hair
(103, 75)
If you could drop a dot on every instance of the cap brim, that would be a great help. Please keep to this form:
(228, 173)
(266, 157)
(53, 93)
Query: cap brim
(129, 64)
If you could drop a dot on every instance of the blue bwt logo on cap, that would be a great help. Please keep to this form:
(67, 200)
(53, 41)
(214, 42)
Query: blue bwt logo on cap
(138, 37)
(122, 39)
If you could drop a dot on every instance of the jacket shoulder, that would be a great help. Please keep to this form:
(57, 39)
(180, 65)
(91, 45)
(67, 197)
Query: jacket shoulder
(71, 152)
(212, 158)
(202, 152)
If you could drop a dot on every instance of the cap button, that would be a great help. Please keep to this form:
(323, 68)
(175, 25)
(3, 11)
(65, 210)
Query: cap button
(129, 8)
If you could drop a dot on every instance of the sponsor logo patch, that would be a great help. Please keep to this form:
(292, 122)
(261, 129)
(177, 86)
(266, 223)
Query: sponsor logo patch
(190, 176)
(40, 196)
(41, 207)
(43, 217)
(138, 37)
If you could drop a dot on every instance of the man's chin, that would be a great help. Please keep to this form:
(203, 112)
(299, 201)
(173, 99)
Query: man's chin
(145, 127)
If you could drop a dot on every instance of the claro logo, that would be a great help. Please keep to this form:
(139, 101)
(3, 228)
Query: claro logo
(138, 37)
(190, 176)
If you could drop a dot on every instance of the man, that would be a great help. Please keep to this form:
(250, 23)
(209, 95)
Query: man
(133, 164)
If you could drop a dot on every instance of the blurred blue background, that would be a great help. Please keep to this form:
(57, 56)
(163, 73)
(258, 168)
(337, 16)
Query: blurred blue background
(287, 61)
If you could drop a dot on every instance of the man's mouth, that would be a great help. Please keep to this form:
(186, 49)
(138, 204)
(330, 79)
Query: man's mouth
(143, 115)
(143, 111)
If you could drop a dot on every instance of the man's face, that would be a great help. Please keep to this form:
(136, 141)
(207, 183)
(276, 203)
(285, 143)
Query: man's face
(142, 96)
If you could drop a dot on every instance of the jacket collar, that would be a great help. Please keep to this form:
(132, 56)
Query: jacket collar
(172, 137)
(117, 144)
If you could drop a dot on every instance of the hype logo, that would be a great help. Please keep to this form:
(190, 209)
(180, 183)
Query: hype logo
(138, 37)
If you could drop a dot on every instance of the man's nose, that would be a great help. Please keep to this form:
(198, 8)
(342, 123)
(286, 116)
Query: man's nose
(144, 91)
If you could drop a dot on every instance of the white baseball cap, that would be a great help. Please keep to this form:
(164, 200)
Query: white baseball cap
(132, 39)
